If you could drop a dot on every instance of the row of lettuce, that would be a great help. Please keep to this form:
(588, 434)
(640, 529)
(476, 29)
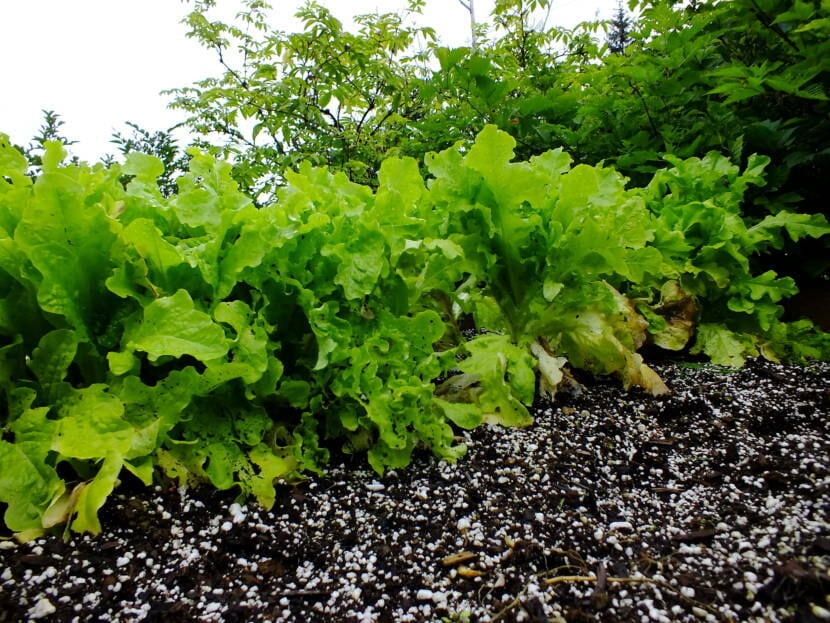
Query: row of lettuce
(221, 342)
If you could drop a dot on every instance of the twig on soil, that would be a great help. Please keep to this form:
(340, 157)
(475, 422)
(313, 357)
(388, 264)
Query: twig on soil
(503, 612)
(571, 554)
(600, 596)
(568, 554)
(593, 578)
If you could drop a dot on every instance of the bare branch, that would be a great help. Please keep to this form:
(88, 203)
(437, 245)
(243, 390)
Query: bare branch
(471, 9)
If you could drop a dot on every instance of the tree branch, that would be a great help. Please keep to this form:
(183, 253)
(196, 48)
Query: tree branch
(767, 21)
(651, 122)
(388, 114)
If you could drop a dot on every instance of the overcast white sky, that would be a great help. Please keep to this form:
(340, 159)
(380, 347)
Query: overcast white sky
(100, 63)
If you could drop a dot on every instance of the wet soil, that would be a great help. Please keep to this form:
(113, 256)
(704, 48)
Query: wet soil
(709, 504)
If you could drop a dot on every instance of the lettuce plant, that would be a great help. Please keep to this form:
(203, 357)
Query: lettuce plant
(205, 338)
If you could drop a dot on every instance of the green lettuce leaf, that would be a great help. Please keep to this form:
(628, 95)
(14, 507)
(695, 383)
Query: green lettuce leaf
(173, 326)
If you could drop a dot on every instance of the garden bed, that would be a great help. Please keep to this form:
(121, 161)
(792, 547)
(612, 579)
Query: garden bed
(708, 504)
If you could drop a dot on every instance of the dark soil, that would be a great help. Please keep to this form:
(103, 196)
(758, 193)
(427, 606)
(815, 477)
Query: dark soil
(709, 504)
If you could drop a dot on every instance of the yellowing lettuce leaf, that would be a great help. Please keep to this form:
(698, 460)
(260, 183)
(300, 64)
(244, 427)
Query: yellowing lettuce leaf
(679, 312)
(94, 493)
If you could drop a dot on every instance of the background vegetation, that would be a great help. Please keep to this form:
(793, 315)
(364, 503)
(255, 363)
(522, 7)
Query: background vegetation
(742, 77)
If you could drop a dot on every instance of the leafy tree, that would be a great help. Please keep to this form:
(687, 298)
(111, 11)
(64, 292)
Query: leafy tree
(738, 78)
(324, 94)
(50, 130)
(160, 144)
(619, 35)
(524, 41)
(520, 81)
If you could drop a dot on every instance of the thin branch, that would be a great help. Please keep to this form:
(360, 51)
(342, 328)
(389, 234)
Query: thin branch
(594, 578)
(335, 120)
(471, 9)
(365, 114)
(766, 20)
(232, 71)
(388, 114)
(646, 110)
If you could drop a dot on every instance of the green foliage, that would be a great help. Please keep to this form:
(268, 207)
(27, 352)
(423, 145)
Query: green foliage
(50, 130)
(735, 77)
(325, 95)
(159, 144)
(219, 342)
